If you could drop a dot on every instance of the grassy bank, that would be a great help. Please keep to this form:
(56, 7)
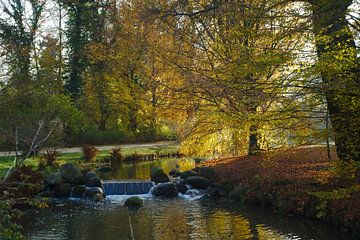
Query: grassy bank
(78, 158)
(298, 181)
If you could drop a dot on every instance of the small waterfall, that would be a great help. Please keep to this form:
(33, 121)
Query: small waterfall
(127, 187)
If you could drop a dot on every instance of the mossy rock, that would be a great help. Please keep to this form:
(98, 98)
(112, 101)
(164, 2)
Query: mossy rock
(198, 182)
(158, 175)
(207, 172)
(134, 202)
(187, 174)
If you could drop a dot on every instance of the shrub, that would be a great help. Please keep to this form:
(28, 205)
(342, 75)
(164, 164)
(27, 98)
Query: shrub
(50, 157)
(42, 164)
(94, 136)
(9, 229)
(116, 158)
(89, 152)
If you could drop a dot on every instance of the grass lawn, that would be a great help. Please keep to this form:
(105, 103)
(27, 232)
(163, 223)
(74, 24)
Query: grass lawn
(77, 158)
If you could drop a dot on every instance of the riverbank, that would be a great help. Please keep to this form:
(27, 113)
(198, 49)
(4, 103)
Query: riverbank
(75, 155)
(299, 181)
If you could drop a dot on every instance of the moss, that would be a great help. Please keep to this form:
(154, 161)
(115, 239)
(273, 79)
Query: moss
(134, 202)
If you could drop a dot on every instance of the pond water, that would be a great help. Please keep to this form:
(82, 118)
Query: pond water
(167, 219)
(142, 170)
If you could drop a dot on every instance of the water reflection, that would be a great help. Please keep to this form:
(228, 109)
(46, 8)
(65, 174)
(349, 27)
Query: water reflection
(170, 219)
(142, 170)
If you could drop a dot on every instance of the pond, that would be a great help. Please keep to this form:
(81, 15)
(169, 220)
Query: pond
(142, 170)
(167, 219)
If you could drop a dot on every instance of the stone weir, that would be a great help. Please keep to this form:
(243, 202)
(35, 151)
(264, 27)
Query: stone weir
(127, 187)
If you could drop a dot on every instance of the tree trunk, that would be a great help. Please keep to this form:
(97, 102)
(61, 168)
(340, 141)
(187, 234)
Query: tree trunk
(253, 135)
(253, 140)
(339, 69)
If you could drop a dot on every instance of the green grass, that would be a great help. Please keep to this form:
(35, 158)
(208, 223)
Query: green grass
(7, 162)
(77, 158)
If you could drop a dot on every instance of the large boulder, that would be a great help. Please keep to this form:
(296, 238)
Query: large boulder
(104, 169)
(53, 180)
(186, 174)
(90, 192)
(46, 194)
(181, 187)
(63, 190)
(217, 192)
(71, 174)
(207, 172)
(158, 175)
(91, 179)
(134, 202)
(175, 173)
(198, 182)
(98, 197)
(78, 191)
(165, 189)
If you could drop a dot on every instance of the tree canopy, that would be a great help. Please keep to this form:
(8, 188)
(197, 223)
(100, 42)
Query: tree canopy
(226, 77)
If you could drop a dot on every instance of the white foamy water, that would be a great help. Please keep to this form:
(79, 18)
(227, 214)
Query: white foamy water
(120, 199)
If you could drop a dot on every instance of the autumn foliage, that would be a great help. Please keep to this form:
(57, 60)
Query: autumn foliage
(89, 152)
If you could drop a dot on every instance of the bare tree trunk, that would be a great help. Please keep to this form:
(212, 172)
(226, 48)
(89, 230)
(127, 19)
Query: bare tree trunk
(35, 144)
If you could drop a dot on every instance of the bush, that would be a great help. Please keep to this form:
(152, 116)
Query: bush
(94, 136)
(50, 157)
(116, 158)
(9, 229)
(89, 152)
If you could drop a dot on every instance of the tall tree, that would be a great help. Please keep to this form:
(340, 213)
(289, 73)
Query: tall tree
(80, 20)
(339, 66)
(17, 36)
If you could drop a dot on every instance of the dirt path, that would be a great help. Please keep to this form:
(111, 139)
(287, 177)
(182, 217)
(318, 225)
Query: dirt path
(100, 148)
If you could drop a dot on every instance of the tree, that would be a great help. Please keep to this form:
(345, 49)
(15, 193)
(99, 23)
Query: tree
(17, 36)
(233, 58)
(339, 67)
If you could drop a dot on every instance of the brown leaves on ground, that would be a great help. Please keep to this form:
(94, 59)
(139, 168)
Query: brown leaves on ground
(290, 178)
(294, 164)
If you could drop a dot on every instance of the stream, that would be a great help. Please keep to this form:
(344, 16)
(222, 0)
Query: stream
(166, 219)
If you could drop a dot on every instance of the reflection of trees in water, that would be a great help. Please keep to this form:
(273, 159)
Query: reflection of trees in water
(224, 225)
(142, 170)
(265, 233)
(142, 224)
(169, 222)
(196, 218)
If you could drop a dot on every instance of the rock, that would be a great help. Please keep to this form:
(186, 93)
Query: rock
(63, 190)
(78, 191)
(165, 189)
(186, 174)
(71, 174)
(90, 192)
(174, 173)
(46, 194)
(181, 187)
(207, 172)
(91, 179)
(158, 175)
(105, 169)
(98, 197)
(217, 192)
(198, 182)
(134, 202)
(53, 180)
